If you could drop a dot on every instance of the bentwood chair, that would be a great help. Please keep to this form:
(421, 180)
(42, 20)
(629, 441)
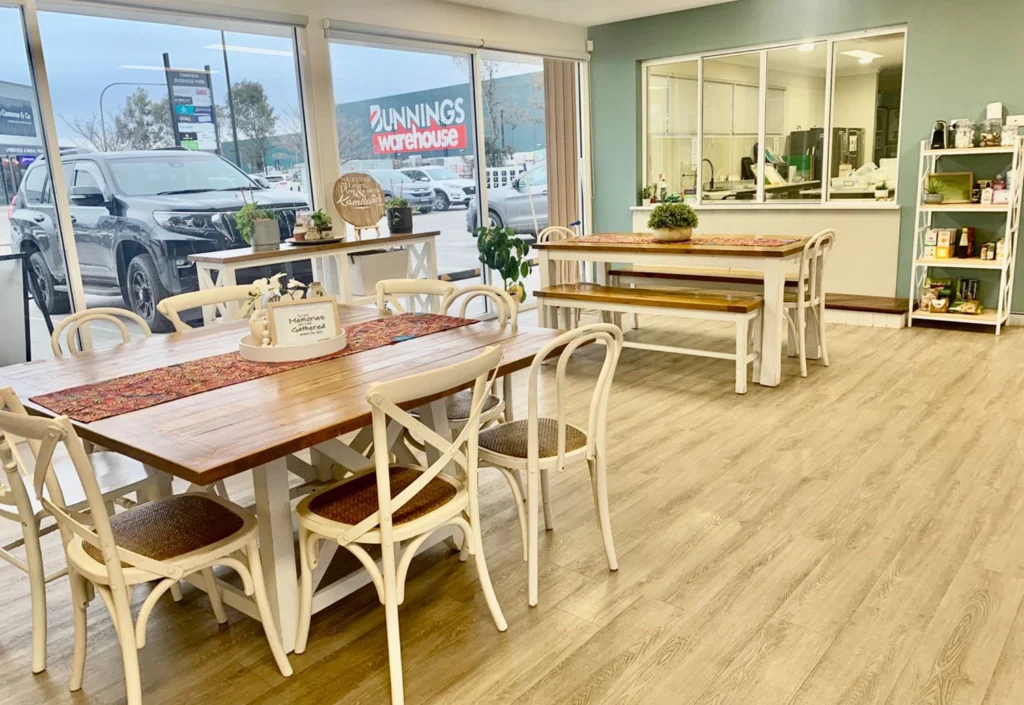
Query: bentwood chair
(458, 405)
(810, 297)
(397, 507)
(538, 445)
(428, 291)
(565, 272)
(164, 541)
(116, 478)
(69, 327)
(222, 297)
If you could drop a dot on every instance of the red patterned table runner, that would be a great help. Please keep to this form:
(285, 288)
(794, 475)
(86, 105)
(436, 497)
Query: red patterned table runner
(728, 240)
(121, 395)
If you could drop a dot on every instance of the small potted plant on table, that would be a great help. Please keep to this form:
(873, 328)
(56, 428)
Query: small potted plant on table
(672, 222)
(321, 222)
(882, 191)
(399, 214)
(505, 253)
(932, 194)
(258, 227)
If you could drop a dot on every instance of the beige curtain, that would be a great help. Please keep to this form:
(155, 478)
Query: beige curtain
(561, 133)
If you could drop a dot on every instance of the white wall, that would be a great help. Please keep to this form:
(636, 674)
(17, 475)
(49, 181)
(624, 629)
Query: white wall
(855, 107)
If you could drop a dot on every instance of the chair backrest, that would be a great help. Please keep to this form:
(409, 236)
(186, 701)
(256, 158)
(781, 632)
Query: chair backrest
(93, 527)
(219, 296)
(811, 279)
(604, 333)
(505, 305)
(388, 291)
(385, 400)
(15, 491)
(565, 272)
(69, 327)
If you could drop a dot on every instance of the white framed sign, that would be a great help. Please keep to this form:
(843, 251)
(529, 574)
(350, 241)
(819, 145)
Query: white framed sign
(303, 321)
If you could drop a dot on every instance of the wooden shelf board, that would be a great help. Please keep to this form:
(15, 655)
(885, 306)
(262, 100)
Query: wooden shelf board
(966, 207)
(984, 319)
(956, 263)
(974, 151)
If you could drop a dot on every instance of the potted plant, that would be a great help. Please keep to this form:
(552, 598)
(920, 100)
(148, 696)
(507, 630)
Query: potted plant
(258, 227)
(399, 214)
(321, 222)
(932, 194)
(882, 191)
(506, 254)
(672, 222)
(645, 194)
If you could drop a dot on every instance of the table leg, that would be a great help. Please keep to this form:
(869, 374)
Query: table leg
(344, 277)
(277, 546)
(205, 274)
(545, 319)
(774, 320)
(603, 269)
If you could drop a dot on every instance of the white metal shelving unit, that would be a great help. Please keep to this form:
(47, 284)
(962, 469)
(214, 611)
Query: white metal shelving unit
(920, 264)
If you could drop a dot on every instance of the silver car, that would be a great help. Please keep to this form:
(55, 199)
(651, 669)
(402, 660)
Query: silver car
(449, 189)
(521, 205)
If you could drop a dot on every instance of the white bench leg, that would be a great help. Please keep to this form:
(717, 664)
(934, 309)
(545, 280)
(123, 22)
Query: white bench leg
(742, 345)
(756, 345)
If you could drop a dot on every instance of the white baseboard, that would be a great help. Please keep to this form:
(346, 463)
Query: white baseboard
(1016, 319)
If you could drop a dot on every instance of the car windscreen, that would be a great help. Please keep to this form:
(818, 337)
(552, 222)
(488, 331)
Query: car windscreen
(441, 174)
(159, 175)
(384, 175)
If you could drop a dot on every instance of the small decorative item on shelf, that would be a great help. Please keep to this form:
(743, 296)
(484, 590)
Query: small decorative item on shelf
(506, 254)
(882, 191)
(399, 214)
(932, 196)
(965, 243)
(301, 228)
(964, 133)
(645, 195)
(954, 186)
(991, 132)
(940, 135)
(945, 237)
(672, 222)
(1008, 137)
(258, 226)
(321, 222)
(315, 291)
(935, 295)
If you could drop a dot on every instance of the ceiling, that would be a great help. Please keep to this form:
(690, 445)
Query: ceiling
(587, 13)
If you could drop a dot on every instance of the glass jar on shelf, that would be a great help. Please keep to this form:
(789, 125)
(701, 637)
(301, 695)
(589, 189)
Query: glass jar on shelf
(963, 134)
(1009, 136)
(991, 132)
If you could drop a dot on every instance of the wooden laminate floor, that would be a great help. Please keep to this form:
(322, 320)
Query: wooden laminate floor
(853, 538)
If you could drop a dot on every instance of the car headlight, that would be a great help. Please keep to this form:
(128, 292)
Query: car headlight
(456, 195)
(187, 223)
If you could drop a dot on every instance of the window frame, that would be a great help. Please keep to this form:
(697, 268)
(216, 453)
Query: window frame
(763, 49)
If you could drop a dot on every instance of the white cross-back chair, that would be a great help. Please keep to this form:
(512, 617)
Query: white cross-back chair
(223, 297)
(398, 507)
(427, 292)
(116, 477)
(69, 327)
(538, 445)
(565, 272)
(163, 540)
(810, 298)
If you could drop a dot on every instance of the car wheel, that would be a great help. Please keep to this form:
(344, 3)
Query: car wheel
(55, 301)
(145, 291)
(441, 202)
(494, 220)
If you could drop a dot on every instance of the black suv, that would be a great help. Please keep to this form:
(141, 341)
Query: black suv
(137, 217)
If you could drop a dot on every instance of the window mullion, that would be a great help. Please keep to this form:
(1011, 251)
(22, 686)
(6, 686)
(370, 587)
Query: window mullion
(826, 138)
(700, 130)
(762, 99)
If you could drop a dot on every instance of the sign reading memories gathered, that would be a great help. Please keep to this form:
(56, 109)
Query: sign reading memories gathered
(303, 321)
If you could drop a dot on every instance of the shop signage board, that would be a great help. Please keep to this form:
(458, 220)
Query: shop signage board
(16, 117)
(193, 116)
(419, 126)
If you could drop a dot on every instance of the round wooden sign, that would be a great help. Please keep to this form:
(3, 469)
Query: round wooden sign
(360, 200)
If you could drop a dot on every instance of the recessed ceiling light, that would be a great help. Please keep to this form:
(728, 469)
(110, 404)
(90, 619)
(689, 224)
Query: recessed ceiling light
(864, 57)
(247, 50)
(806, 47)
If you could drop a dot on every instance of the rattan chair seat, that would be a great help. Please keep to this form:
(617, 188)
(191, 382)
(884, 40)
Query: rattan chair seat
(459, 406)
(353, 501)
(511, 438)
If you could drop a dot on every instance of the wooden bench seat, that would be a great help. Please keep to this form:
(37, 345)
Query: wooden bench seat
(740, 308)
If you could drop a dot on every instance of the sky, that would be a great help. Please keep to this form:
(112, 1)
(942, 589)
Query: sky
(85, 54)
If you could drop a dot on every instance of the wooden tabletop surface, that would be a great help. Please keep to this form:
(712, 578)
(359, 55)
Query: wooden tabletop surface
(677, 248)
(210, 436)
(247, 254)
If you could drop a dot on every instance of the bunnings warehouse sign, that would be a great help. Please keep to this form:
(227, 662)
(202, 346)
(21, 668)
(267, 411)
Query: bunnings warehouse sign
(419, 126)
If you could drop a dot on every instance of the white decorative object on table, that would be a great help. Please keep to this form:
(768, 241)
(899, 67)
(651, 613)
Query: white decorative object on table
(303, 321)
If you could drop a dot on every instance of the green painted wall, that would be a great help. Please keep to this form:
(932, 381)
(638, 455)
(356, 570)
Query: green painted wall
(960, 57)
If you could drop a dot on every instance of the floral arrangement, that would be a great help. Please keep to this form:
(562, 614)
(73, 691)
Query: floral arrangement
(266, 291)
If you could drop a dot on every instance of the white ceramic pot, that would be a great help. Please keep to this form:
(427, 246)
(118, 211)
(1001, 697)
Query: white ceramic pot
(673, 235)
(933, 198)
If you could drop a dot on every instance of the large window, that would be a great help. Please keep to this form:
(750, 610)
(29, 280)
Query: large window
(807, 122)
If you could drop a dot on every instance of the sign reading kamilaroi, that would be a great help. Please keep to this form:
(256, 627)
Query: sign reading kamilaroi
(419, 127)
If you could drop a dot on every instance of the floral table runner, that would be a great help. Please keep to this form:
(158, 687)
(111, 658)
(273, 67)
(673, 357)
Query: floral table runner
(121, 395)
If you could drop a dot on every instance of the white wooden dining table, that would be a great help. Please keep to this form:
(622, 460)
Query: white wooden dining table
(257, 426)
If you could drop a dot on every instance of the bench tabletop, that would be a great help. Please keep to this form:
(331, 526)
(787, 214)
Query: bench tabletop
(247, 254)
(641, 242)
(696, 300)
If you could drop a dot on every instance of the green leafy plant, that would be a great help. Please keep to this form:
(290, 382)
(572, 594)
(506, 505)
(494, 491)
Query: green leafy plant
(933, 186)
(396, 203)
(246, 215)
(645, 194)
(321, 221)
(883, 186)
(503, 252)
(672, 216)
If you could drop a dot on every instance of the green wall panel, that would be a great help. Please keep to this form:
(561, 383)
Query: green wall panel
(960, 57)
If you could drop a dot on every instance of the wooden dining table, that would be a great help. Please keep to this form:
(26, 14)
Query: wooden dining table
(773, 260)
(256, 426)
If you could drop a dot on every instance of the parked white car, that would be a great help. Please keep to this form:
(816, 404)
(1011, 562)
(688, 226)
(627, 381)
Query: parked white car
(449, 189)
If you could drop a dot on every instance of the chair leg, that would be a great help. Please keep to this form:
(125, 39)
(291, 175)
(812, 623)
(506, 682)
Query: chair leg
(37, 593)
(252, 551)
(391, 618)
(162, 486)
(512, 477)
(599, 477)
(791, 344)
(533, 550)
(506, 395)
(636, 321)
(821, 331)
(305, 592)
(215, 599)
(741, 355)
(80, 600)
(545, 493)
(221, 490)
(801, 337)
(129, 650)
(481, 567)
(756, 340)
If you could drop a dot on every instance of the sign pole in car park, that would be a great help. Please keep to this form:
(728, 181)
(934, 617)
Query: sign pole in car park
(193, 118)
(213, 104)
(231, 100)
